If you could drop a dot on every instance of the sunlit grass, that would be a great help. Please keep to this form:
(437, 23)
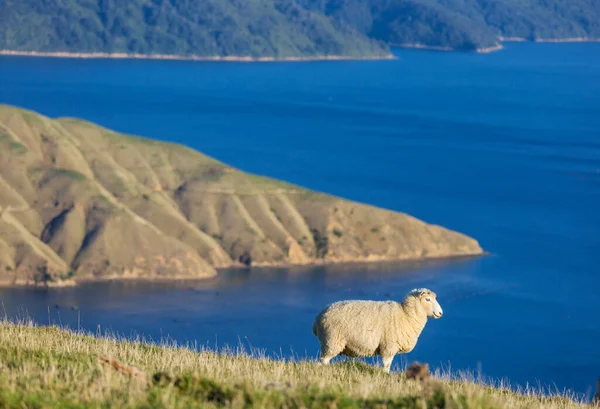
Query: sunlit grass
(43, 367)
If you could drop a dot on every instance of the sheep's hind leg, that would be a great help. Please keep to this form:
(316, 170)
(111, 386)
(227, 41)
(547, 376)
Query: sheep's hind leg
(326, 356)
(387, 362)
(324, 360)
(328, 352)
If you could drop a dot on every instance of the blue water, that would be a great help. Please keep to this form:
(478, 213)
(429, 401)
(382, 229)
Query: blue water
(504, 147)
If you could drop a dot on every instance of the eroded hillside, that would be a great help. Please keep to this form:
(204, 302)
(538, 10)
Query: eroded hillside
(79, 201)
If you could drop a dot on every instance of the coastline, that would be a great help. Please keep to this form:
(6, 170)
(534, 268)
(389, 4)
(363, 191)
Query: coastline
(135, 56)
(549, 40)
(498, 46)
(482, 50)
(237, 59)
(75, 282)
(490, 49)
(419, 46)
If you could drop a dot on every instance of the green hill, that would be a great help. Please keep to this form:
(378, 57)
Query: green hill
(257, 28)
(464, 24)
(49, 368)
(285, 28)
(78, 201)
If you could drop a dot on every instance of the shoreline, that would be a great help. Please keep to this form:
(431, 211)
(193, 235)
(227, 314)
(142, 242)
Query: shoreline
(490, 49)
(237, 59)
(498, 46)
(76, 282)
(418, 46)
(481, 50)
(549, 40)
(174, 57)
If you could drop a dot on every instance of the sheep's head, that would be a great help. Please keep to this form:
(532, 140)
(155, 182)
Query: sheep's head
(428, 301)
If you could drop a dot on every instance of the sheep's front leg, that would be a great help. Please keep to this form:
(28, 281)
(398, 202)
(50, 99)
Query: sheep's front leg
(387, 362)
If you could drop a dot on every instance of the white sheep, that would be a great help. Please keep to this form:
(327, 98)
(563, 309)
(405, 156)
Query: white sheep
(357, 328)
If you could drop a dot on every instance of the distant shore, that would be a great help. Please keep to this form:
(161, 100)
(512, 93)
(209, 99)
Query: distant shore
(483, 50)
(61, 54)
(549, 40)
(498, 46)
(490, 49)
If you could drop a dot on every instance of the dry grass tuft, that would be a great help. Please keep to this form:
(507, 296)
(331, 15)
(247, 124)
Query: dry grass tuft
(122, 368)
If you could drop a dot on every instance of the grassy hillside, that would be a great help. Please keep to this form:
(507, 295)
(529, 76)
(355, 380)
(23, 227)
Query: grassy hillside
(44, 367)
(285, 28)
(78, 201)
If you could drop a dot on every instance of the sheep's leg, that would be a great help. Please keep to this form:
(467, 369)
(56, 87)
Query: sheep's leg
(387, 362)
(325, 359)
(329, 351)
(327, 355)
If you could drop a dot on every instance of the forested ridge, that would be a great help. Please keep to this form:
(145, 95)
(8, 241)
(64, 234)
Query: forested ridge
(285, 28)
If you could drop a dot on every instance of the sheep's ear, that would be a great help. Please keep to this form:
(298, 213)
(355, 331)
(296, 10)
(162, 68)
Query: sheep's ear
(424, 293)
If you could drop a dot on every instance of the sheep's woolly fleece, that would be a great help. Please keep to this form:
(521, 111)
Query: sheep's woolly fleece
(361, 328)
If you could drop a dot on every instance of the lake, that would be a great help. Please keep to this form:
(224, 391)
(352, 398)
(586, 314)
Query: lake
(504, 147)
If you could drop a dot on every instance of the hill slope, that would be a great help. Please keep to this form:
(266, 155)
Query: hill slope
(50, 368)
(285, 28)
(81, 201)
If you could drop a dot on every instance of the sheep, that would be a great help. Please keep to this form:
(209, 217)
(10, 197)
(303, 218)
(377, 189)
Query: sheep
(361, 328)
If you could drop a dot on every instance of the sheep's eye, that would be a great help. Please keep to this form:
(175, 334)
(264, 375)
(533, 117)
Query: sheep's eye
(428, 299)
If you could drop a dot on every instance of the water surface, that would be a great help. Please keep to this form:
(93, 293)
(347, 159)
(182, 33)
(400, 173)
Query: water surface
(504, 147)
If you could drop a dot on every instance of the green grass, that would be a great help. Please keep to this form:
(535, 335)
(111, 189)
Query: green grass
(72, 174)
(14, 146)
(105, 199)
(18, 148)
(46, 367)
(56, 173)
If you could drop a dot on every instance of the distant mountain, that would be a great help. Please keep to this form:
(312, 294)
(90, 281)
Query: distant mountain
(256, 28)
(285, 28)
(78, 201)
(464, 24)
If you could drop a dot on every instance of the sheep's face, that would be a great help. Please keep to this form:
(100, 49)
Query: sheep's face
(430, 304)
